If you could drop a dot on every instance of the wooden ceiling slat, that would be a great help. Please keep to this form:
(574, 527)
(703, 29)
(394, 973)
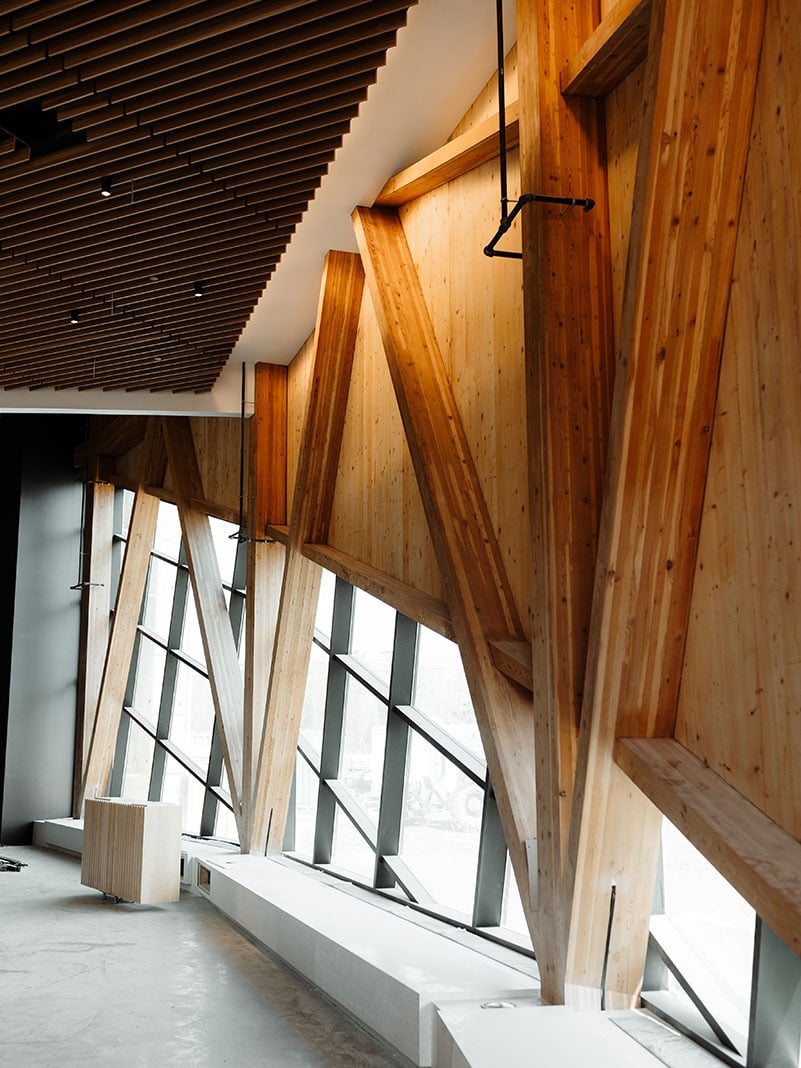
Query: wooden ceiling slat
(269, 101)
(37, 11)
(159, 36)
(195, 223)
(226, 115)
(72, 28)
(97, 211)
(298, 58)
(37, 306)
(111, 255)
(218, 134)
(157, 71)
(271, 97)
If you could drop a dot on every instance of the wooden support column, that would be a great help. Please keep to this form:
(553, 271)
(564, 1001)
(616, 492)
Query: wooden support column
(95, 610)
(700, 87)
(569, 339)
(265, 564)
(480, 598)
(334, 342)
(126, 617)
(222, 662)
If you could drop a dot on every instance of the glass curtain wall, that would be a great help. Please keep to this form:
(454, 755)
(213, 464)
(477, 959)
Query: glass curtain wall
(168, 748)
(391, 784)
(391, 787)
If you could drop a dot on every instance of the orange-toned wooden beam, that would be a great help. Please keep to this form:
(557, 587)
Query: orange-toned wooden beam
(480, 598)
(569, 343)
(700, 90)
(334, 342)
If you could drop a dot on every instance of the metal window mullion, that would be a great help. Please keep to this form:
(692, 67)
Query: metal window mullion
(396, 749)
(491, 870)
(774, 1031)
(453, 750)
(164, 721)
(331, 749)
(236, 613)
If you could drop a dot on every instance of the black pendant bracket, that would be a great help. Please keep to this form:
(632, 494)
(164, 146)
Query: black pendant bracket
(530, 198)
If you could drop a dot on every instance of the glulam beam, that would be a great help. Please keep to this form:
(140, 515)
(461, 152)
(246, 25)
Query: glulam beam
(119, 650)
(332, 362)
(700, 89)
(569, 354)
(455, 158)
(95, 609)
(759, 859)
(222, 661)
(479, 595)
(267, 455)
(617, 44)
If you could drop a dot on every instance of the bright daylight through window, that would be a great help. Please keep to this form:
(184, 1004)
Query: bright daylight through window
(391, 787)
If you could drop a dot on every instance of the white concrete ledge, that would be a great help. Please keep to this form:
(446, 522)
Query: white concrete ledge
(419, 988)
(385, 970)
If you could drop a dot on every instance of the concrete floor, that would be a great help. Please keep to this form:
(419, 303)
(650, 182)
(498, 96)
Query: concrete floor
(84, 981)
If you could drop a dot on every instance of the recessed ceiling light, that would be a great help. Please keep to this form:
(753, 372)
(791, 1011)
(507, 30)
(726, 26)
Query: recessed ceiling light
(74, 316)
(105, 186)
(155, 278)
(198, 289)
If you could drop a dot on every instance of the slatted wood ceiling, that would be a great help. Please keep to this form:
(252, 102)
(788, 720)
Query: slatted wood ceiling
(215, 120)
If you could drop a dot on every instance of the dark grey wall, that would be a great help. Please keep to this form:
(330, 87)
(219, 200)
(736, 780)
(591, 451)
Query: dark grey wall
(38, 704)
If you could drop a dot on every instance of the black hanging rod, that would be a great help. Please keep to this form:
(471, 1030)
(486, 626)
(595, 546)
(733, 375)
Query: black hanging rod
(508, 217)
(530, 198)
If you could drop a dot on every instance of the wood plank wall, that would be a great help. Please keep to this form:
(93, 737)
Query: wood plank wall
(217, 446)
(740, 707)
(476, 307)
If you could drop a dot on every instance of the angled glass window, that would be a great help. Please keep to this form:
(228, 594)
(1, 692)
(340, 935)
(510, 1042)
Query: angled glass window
(138, 763)
(149, 679)
(363, 736)
(167, 539)
(325, 606)
(441, 824)
(373, 633)
(159, 594)
(351, 853)
(182, 788)
(193, 716)
(441, 692)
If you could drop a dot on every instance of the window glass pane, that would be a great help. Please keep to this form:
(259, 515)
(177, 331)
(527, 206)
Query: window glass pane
(715, 921)
(311, 724)
(373, 634)
(225, 547)
(191, 642)
(225, 824)
(181, 788)
(325, 605)
(138, 762)
(149, 679)
(306, 789)
(160, 591)
(512, 909)
(168, 531)
(363, 734)
(441, 824)
(440, 689)
(126, 509)
(350, 851)
(192, 716)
